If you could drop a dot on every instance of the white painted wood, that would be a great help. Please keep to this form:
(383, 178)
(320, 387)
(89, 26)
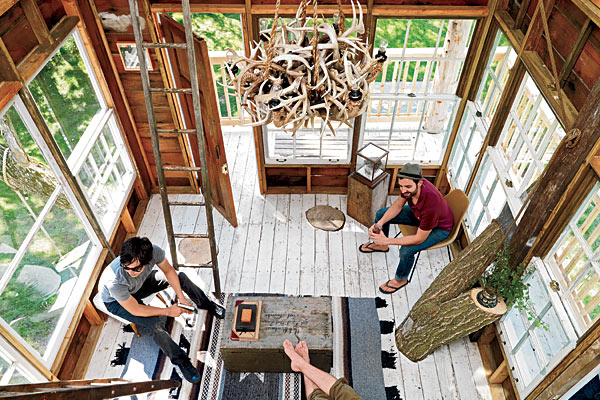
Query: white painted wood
(279, 262)
(294, 244)
(307, 251)
(336, 256)
(275, 250)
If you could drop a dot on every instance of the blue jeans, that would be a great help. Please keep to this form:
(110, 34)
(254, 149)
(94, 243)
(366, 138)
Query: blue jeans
(156, 282)
(407, 253)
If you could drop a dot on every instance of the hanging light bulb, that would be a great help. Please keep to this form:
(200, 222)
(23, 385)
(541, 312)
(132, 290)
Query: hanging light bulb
(233, 68)
(264, 26)
(355, 94)
(275, 101)
(381, 56)
(336, 23)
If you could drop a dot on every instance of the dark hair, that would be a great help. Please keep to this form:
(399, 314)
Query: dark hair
(136, 248)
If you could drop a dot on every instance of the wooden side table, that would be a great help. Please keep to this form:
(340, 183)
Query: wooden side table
(282, 317)
(365, 198)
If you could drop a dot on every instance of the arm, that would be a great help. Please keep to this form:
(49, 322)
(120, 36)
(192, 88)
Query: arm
(418, 238)
(173, 279)
(391, 212)
(142, 310)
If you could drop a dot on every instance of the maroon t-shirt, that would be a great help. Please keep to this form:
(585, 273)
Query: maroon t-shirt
(431, 209)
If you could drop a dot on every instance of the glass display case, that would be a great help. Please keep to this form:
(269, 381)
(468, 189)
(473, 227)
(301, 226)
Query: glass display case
(371, 162)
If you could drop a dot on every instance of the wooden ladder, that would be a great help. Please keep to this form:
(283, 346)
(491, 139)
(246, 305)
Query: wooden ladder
(89, 389)
(198, 131)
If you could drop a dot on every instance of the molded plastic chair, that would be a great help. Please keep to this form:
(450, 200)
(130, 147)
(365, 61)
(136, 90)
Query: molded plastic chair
(459, 203)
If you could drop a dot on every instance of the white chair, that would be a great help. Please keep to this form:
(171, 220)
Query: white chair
(102, 307)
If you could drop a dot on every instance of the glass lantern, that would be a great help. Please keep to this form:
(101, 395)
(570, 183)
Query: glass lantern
(371, 162)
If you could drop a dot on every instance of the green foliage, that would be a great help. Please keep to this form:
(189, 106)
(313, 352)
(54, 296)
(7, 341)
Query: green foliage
(220, 31)
(18, 303)
(503, 280)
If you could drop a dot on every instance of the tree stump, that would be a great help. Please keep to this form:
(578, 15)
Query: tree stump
(417, 336)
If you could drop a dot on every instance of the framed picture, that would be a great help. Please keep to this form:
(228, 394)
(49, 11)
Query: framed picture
(129, 57)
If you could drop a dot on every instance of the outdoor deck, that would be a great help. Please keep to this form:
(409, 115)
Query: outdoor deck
(274, 250)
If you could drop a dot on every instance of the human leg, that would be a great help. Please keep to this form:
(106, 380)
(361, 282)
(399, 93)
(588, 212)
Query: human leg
(302, 349)
(407, 253)
(321, 379)
(405, 217)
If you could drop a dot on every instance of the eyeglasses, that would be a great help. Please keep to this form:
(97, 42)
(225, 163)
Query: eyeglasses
(134, 269)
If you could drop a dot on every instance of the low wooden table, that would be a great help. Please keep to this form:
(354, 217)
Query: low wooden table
(293, 318)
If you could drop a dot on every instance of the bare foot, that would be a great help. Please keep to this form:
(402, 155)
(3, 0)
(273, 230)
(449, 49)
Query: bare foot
(302, 350)
(295, 358)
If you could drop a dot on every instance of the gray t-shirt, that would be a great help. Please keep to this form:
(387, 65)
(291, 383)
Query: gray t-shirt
(116, 283)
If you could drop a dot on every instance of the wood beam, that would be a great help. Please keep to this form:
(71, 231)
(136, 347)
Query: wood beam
(590, 8)
(37, 22)
(6, 5)
(38, 56)
(536, 25)
(8, 90)
(521, 15)
(539, 73)
(478, 58)
(410, 11)
(197, 8)
(584, 35)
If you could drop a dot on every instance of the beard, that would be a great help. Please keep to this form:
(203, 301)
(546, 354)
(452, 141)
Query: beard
(408, 195)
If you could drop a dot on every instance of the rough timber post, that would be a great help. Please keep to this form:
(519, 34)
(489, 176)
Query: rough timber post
(446, 310)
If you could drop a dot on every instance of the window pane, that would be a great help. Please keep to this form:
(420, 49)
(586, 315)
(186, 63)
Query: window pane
(18, 378)
(527, 362)
(554, 339)
(40, 288)
(65, 96)
(515, 328)
(25, 186)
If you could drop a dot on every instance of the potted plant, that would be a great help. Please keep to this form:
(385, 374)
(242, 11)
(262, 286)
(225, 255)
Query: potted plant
(500, 279)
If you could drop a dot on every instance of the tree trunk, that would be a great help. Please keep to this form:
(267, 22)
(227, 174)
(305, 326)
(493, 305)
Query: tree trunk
(448, 287)
(446, 75)
(31, 178)
(422, 332)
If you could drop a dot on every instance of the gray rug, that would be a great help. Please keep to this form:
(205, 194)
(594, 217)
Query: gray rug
(365, 349)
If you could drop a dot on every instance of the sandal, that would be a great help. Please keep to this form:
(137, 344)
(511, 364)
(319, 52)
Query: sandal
(393, 289)
(371, 249)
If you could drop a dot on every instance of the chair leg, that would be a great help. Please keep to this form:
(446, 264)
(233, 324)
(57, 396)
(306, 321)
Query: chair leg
(161, 298)
(135, 329)
(412, 271)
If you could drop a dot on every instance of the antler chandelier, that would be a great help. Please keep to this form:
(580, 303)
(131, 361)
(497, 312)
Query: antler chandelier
(305, 69)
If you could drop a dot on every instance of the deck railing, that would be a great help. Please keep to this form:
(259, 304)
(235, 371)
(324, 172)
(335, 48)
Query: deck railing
(408, 71)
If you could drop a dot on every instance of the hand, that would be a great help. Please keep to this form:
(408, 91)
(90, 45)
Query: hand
(378, 238)
(184, 301)
(375, 228)
(175, 311)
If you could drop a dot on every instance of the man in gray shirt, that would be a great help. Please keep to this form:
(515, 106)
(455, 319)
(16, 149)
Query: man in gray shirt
(131, 277)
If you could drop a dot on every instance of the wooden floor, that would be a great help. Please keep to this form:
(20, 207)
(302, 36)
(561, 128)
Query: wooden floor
(274, 250)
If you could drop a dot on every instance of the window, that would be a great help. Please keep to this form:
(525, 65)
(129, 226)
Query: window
(48, 248)
(531, 350)
(85, 129)
(575, 262)
(47, 252)
(412, 103)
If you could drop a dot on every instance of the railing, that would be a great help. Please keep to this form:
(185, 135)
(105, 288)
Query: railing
(405, 71)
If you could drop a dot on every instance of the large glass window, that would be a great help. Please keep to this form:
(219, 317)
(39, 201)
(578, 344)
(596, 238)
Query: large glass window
(533, 350)
(47, 246)
(69, 98)
(412, 104)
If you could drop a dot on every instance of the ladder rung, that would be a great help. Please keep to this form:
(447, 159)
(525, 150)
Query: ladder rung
(189, 169)
(162, 131)
(187, 203)
(164, 45)
(195, 266)
(171, 90)
(191, 235)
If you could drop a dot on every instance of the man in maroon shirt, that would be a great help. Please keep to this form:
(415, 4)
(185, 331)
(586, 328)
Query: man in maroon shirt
(420, 204)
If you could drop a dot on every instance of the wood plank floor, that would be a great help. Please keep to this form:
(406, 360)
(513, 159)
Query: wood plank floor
(274, 250)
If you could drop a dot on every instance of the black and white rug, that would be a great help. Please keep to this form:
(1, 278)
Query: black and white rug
(389, 353)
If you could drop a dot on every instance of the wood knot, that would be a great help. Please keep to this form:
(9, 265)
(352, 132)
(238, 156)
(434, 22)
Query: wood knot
(572, 138)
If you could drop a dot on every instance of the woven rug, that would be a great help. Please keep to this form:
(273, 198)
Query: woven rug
(389, 355)
(218, 384)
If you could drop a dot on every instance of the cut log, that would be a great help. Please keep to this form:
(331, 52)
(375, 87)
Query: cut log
(417, 336)
(447, 293)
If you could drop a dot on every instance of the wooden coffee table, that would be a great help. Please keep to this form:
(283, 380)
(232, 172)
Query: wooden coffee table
(293, 318)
